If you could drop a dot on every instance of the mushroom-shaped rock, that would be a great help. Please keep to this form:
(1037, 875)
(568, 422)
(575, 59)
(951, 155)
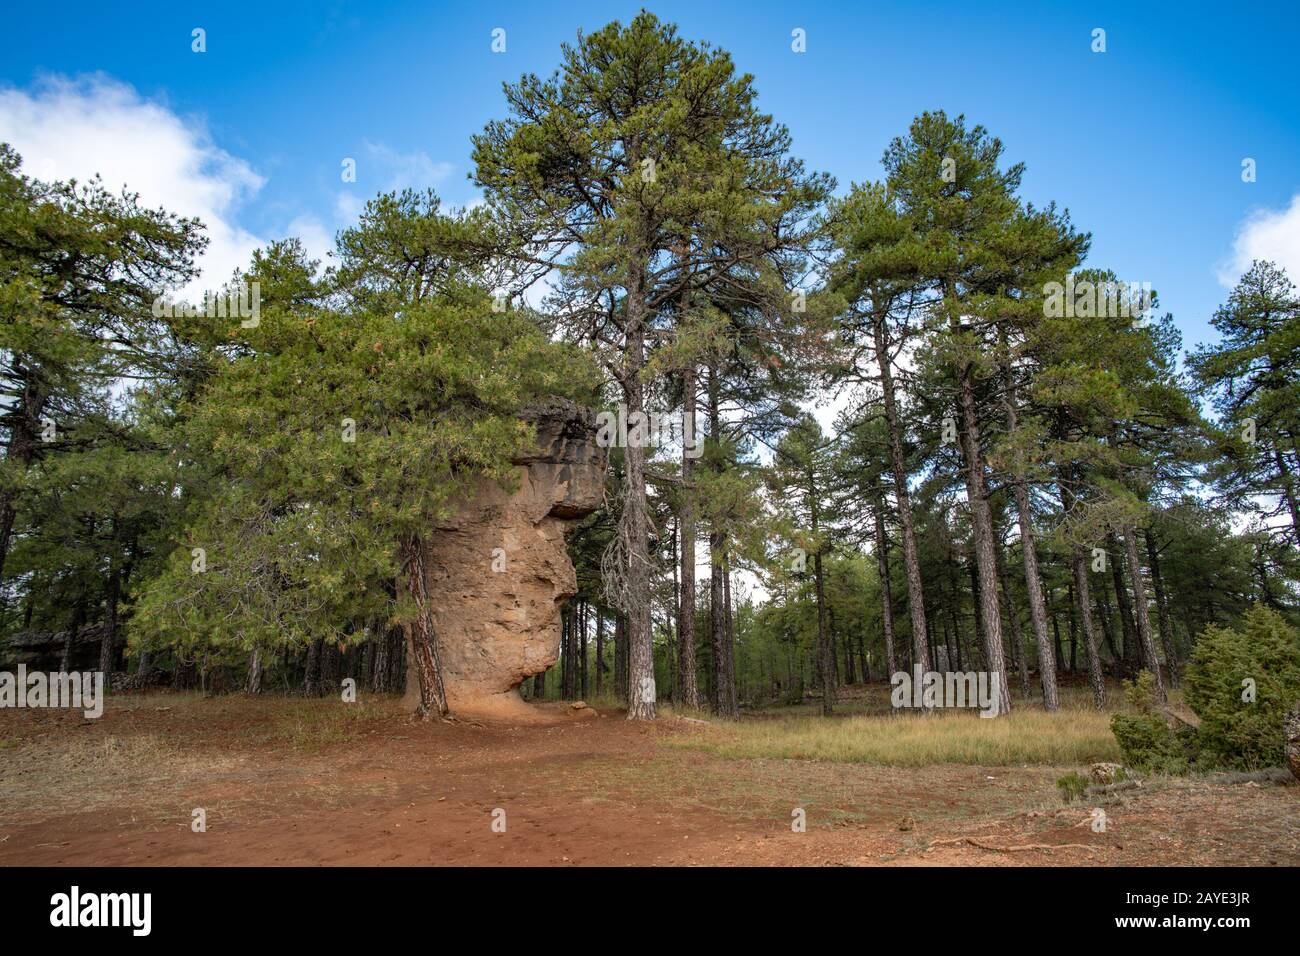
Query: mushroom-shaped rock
(498, 571)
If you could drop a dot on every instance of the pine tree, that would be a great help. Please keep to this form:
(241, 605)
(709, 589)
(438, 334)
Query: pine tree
(81, 270)
(979, 251)
(640, 138)
(1253, 377)
(341, 433)
(800, 482)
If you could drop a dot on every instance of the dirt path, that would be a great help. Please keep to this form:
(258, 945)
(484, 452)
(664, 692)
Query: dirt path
(292, 783)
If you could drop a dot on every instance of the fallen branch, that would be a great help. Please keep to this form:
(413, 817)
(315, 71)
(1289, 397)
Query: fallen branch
(1009, 849)
(1098, 789)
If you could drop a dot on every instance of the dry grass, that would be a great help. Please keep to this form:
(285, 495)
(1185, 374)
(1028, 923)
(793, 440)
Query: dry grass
(150, 748)
(48, 776)
(312, 726)
(1029, 736)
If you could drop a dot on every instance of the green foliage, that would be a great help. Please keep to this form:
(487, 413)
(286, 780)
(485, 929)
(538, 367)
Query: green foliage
(1252, 375)
(777, 641)
(328, 440)
(1148, 742)
(80, 495)
(1140, 694)
(1237, 733)
(1072, 786)
(673, 227)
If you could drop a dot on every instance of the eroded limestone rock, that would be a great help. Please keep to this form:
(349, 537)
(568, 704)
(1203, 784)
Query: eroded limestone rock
(1291, 733)
(498, 571)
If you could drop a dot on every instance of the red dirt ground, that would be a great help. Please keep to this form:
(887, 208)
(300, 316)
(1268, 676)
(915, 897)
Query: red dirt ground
(288, 782)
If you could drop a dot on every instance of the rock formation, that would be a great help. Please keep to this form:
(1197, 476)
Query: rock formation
(1291, 735)
(498, 571)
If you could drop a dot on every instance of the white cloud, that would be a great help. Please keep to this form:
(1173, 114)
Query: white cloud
(66, 129)
(1265, 234)
(393, 170)
(382, 169)
(347, 207)
(316, 239)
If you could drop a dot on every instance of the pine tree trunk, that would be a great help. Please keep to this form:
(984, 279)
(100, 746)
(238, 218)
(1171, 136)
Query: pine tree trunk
(582, 647)
(1017, 638)
(1074, 632)
(952, 632)
(1108, 628)
(635, 524)
(78, 617)
(902, 496)
(311, 678)
(1037, 604)
(1114, 554)
(571, 676)
(573, 681)
(686, 667)
(108, 642)
(620, 658)
(1033, 579)
(1083, 598)
(724, 678)
(837, 679)
(564, 649)
(254, 684)
(379, 663)
(575, 673)
(424, 690)
(727, 669)
(330, 659)
(1288, 489)
(977, 620)
(8, 514)
(824, 640)
(985, 555)
(397, 664)
(1083, 608)
(886, 596)
(566, 653)
(850, 663)
(600, 650)
(1056, 624)
(1143, 612)
(1162, 610)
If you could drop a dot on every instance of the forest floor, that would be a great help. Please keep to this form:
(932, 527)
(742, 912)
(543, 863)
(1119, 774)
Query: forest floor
(293, 781)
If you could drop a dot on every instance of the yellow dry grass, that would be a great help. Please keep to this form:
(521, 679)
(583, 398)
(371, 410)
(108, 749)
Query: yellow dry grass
(1029, 736)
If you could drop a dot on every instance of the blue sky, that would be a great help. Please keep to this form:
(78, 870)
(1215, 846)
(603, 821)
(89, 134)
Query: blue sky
(1143, 143)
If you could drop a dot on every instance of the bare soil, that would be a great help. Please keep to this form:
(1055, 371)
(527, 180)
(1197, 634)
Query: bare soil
(285, 781)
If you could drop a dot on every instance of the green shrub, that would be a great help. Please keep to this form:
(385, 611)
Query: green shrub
(1073, 785)
(1237, 734)
(1149, 744)
(1141, 693)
